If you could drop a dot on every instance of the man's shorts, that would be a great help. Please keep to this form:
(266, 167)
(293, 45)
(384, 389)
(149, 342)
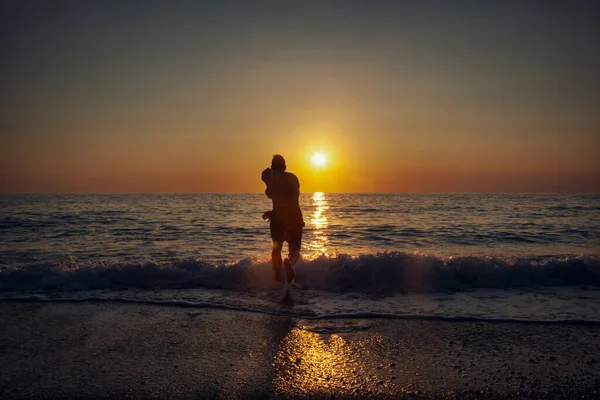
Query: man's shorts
(279, 233)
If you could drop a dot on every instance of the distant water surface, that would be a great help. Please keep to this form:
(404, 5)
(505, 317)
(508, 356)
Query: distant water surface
(227, 227)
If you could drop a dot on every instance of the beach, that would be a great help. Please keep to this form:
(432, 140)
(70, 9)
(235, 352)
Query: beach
(111, 350)
(300, 200)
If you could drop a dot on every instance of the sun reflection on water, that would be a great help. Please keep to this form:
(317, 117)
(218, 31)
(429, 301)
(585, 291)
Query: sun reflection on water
(317, 245)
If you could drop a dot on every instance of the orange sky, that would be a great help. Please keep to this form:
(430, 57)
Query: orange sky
(196, 98)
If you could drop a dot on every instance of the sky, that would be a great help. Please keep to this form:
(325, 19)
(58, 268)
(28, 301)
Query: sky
(400, 96)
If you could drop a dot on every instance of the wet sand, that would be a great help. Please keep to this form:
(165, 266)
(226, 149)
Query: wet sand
(112, 350)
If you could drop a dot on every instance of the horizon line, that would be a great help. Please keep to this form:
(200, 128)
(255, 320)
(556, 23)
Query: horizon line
(261, 192)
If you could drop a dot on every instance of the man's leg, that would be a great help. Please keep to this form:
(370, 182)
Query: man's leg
(294, 239)
(277, 235)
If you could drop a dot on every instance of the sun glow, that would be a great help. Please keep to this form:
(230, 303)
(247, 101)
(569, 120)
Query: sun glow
(319, 159)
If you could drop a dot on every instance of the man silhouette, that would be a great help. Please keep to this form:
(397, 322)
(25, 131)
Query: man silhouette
(286, 220)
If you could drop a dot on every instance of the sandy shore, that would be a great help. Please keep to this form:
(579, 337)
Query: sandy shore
(106, 350)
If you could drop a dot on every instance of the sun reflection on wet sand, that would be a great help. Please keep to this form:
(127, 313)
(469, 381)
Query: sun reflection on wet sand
(310, 364)
(319, 364)
(317, 246)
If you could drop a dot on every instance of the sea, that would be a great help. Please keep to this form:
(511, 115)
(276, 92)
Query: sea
(490, 257)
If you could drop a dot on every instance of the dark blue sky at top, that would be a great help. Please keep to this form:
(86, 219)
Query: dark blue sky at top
(72, 41)
(102, 39)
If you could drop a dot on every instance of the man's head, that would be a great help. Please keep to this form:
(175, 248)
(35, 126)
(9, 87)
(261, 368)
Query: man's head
(278, 163)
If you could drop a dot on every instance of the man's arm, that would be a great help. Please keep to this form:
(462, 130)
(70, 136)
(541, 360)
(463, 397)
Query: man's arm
(296, 185)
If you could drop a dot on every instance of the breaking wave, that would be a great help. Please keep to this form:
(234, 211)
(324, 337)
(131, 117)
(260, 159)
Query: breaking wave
(388, 272)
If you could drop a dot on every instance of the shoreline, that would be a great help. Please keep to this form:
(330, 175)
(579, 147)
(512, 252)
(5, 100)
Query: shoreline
(110, 349)
(367, 315)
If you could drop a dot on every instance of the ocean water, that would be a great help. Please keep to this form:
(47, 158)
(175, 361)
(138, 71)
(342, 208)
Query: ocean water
(518, 257)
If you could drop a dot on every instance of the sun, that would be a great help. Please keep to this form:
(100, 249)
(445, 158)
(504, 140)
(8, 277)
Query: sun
(319, 159)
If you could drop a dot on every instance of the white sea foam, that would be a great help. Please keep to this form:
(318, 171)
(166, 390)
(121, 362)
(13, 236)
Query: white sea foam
(384, 273)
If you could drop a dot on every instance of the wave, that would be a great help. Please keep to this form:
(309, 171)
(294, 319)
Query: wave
(388, 272)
